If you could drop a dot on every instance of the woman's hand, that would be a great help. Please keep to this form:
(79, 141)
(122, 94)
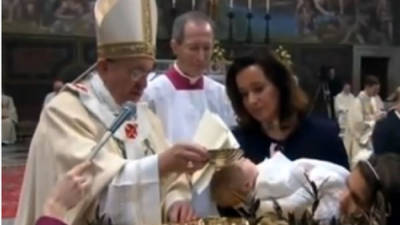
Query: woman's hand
(69, 191)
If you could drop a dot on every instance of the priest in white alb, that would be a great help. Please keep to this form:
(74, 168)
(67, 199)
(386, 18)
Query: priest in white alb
(9, 120)
(343, 102)
(134, 166)
(182, 95)
(361, 120)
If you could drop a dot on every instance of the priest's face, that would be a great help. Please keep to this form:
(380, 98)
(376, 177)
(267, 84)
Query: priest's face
(347, 88)
(194, 51)
(125, 78)
(259, 95)
(354, 199)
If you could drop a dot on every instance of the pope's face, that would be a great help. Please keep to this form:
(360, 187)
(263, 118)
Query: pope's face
(194, 53)
(126, 78)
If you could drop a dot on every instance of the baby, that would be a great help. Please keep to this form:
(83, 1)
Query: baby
(284, 181)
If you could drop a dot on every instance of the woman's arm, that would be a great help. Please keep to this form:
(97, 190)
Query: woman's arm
(68, 192)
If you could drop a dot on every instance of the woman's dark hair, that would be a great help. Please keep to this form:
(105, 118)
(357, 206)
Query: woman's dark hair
(387, 168)
(292, 100)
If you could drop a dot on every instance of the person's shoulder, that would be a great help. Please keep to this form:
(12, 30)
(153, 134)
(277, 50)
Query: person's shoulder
(210, 82)
(238, 131)
(214, 87)
(158, 86)
(251, 140)
(65, 103)
(252, 133)
(320, 125)
(389, 120)
(391, 114)
(157, 81)
(67, 108)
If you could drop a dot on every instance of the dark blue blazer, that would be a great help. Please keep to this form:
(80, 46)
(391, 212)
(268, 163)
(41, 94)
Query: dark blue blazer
(386, 136)
(315, 138)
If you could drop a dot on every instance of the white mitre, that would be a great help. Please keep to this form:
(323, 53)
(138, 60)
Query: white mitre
(125, 28)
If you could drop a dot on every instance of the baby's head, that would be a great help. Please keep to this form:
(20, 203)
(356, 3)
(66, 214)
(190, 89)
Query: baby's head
(233, 183)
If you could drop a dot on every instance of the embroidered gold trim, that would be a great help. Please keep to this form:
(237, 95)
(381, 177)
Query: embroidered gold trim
(146, 18)
(129, 49)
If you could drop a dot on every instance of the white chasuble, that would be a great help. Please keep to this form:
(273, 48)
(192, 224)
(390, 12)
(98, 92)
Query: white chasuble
(180, 103)
(70, 126)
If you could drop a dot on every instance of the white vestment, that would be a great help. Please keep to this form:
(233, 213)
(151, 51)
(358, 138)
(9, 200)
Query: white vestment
(9, 120)
(126, 190)
(285, 181)
(180, 109)
(361, 120)
(343, 103)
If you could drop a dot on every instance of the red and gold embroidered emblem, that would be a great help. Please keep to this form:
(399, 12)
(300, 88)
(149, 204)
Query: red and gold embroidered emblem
(131, 130)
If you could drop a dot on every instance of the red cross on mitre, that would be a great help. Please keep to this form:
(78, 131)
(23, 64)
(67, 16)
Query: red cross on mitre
(131, 130)
(81, 87)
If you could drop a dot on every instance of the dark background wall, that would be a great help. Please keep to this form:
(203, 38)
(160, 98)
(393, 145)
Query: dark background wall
(31, 64)
(396, 20)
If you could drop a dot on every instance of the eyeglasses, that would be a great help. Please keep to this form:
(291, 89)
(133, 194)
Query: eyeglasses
(136, 74)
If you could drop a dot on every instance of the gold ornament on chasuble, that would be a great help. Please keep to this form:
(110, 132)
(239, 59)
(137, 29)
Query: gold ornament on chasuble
(121, 33)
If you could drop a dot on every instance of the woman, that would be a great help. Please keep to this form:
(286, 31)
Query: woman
(271, 112)
(374, 190)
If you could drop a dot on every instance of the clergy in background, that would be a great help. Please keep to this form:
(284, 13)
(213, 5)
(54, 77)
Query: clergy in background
(182, 95)
(9, 120)
(133, 166)
(361, 120)
(343, 102)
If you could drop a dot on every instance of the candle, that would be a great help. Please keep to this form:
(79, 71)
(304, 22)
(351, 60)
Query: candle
(267, 6)
(193, 4)
(173, 3)
(231, 4)
(249, 4)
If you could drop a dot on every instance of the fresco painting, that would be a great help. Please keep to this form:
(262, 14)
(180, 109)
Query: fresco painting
(303, 21)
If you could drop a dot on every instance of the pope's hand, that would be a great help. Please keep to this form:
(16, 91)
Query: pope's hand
(182, 158)
(69, 191)
(181, 212)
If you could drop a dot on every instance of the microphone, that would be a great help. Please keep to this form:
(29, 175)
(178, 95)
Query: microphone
(127, 111)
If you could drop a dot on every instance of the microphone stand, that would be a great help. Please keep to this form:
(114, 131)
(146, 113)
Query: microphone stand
(127, 111)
